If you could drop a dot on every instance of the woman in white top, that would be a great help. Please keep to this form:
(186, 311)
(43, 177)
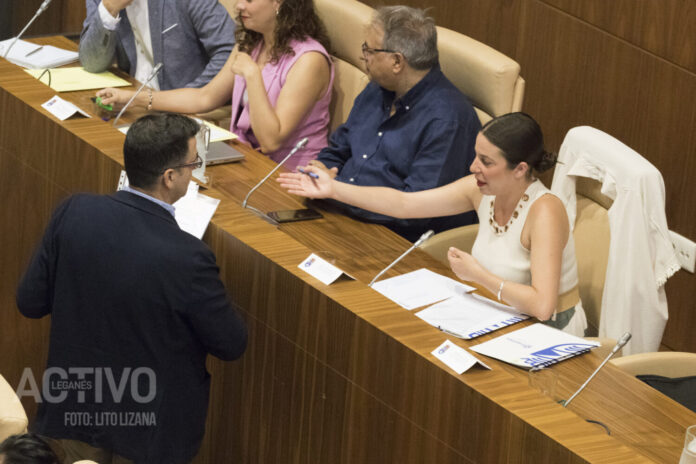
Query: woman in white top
(524, 251)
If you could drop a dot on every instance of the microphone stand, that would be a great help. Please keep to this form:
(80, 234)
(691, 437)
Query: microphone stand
(620, 344)
(299, 145)
(41, 9)
(152, 75)
(418, 243)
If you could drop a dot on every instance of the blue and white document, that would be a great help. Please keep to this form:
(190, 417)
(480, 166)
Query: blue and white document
(469, 316)
(537, 345)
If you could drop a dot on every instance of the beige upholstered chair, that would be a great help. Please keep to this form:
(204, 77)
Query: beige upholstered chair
(490, 79)
(229, 6)
(345, 21)
(461, 237)
(665, 363)
(13, 419)
(591, 236)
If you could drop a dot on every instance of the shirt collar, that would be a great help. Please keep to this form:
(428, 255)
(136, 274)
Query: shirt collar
(164, 205)
(415, 93)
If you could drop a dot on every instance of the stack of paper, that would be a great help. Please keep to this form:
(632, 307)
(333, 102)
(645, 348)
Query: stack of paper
(469, 316)
(217, 133)
(72, 79)
(33, 56)
(420, 288)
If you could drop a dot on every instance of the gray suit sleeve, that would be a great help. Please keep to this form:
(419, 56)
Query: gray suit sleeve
(97, 44)
(215, 31)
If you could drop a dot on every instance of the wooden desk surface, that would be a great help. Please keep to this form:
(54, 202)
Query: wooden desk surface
(333, 373)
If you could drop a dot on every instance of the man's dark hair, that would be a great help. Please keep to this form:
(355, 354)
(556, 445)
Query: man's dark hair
(154, 143)
(28, 448)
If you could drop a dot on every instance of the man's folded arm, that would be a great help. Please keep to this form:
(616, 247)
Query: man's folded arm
(97, 43)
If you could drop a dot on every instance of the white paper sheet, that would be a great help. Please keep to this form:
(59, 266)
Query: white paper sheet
(469, 316)
(456, 357)
(194, 211)
(420, 288)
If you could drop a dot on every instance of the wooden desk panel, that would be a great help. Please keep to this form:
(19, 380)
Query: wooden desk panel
(333, 374)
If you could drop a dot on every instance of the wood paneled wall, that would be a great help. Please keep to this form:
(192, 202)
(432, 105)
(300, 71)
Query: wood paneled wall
(62, 17)
(625, 67)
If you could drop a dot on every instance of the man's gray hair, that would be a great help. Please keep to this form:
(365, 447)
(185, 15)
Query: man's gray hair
(408, 31)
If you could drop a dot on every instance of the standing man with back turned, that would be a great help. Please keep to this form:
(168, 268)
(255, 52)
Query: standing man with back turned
(136, 304)
(192, 38)
(411, 129)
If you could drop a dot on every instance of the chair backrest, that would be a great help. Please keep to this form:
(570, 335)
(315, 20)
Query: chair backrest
(490, 79)
(13, 419)
(229, 6)
(591, 235)
(345, 22)
(665, 363)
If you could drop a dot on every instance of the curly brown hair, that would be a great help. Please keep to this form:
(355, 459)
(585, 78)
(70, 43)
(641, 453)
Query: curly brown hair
(296, 19)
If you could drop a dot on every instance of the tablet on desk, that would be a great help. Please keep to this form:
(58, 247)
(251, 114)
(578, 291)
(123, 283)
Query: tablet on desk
(220, 152)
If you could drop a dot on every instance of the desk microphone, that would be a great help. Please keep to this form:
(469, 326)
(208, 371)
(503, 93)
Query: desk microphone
(152, 75)
(299, 145)
(41, 9)
(423, 238)
(620, 344)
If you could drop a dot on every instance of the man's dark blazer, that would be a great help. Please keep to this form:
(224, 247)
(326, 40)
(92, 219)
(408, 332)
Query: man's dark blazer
(132, 297)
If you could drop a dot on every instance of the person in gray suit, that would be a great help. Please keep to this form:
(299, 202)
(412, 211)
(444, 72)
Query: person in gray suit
(192, 38)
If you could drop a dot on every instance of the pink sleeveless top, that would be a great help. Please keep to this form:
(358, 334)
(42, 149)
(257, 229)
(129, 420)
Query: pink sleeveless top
(314, 126)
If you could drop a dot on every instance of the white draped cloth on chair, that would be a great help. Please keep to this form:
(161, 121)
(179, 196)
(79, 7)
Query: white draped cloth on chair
(641, 257)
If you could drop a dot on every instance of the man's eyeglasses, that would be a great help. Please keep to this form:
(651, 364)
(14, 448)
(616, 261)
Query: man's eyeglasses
(368, 51)
(195, 165)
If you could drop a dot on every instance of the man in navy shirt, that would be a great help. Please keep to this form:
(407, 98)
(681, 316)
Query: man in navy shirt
(411, 129)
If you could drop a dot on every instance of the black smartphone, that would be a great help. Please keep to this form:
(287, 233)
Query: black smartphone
(292, 215)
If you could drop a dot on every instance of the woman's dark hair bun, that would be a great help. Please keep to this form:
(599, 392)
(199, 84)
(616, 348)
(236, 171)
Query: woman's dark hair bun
(547, 161)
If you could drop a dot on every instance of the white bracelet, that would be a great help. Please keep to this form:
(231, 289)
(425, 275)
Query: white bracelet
(500, 290)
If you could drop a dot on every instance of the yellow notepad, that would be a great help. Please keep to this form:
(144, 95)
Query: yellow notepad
(72, 79)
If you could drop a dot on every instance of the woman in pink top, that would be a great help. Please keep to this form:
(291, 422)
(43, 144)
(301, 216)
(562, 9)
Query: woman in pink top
(280, 77)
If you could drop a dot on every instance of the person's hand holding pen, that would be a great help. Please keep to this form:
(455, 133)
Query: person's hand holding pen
(310, 182)
(318, 164)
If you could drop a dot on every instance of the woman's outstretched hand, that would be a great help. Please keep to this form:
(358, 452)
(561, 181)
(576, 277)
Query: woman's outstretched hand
(309, 181)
